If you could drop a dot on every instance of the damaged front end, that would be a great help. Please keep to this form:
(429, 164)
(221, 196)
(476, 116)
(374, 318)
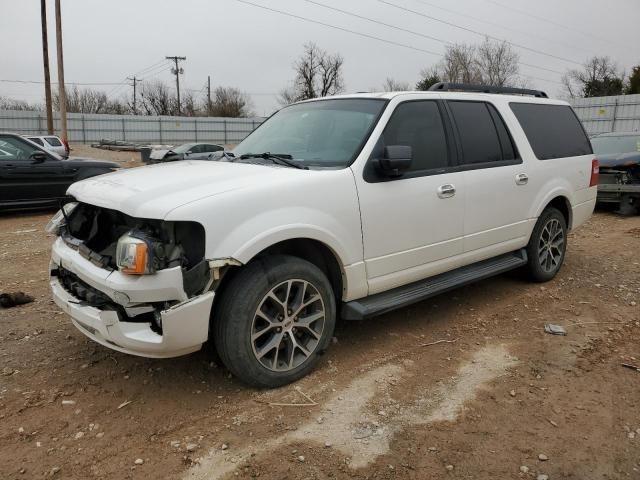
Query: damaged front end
(142, 286)
(619, 182)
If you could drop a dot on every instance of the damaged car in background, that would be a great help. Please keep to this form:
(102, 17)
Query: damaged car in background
(187, 151)
(619, 156)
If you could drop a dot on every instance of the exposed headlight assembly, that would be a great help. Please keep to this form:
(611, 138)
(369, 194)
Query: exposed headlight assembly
(59, 220)
(136, 253)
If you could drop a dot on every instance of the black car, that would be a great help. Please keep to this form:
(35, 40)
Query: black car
(619, 157)
(31, 177)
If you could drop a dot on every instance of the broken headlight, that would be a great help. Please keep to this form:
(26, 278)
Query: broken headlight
(136, 253)
(59, 220)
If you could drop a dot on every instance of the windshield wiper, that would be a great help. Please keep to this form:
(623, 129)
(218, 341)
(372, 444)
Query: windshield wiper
(282, 159)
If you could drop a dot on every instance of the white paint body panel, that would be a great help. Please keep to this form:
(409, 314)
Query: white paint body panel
(383, 235)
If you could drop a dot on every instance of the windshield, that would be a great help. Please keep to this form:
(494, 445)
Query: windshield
(617, 144)
(324, 133)
(184, 148)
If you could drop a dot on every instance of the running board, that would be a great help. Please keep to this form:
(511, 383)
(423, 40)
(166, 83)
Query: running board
(415, 292)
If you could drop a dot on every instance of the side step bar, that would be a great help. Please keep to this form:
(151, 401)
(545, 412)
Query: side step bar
(415, 292)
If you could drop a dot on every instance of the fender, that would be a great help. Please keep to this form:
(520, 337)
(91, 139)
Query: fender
(556, 187)
(287, 232)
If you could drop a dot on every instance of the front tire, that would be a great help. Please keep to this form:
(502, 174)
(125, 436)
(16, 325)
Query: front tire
(274, 320)
(547, 246)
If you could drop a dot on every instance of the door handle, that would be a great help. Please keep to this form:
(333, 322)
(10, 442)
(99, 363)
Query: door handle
(446, 191)
(521, 179)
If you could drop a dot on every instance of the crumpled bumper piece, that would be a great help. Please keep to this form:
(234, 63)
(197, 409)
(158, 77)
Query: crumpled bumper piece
(185, 326)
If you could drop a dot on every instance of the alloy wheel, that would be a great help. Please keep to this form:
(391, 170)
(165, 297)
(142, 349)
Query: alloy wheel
(288, 325)
(551, 245)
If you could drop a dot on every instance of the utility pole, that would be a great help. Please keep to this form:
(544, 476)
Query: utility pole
(61, 94)
(134, 83)
(209, 95)
(45, 59)
(177, 71)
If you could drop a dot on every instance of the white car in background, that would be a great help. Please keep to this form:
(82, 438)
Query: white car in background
(51, 143)
(347, 206)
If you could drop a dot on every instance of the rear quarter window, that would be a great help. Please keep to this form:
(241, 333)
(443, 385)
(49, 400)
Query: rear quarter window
(53, 141)
(553, 131)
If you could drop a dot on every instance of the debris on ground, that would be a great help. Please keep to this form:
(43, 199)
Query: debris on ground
(554, 329)
(8, 300)
(632, 367)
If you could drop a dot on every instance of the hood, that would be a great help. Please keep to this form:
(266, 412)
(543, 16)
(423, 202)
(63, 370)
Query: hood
(612, 160)
(89, 162)
(155, 190)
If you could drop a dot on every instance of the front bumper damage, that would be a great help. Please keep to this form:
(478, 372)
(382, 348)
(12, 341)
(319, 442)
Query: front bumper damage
(184, 321)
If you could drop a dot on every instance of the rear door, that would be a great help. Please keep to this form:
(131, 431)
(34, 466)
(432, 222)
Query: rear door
(498, 193)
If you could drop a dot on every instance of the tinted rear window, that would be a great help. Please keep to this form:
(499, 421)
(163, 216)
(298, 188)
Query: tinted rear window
(53, 141)
(553, 131)
(36, 140)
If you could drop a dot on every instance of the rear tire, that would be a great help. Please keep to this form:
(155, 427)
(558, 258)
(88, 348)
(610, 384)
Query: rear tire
(547, 246)
(274, 320)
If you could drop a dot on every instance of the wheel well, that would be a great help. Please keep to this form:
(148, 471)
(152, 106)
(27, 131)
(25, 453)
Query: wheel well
(315, 252)
(307, 249)
(562, 204)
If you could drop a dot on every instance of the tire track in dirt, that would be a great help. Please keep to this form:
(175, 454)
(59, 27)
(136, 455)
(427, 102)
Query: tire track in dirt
(349, 426)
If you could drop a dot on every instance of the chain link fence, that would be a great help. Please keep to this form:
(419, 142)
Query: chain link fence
(91, 128)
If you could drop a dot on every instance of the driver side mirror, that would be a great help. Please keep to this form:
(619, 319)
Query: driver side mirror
(395, 160)
(38, 156)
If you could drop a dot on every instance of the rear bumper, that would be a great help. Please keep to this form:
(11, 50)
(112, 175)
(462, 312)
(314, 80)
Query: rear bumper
(185, 325)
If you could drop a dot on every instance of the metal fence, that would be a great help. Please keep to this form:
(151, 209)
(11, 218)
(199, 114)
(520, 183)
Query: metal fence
(609, 114)
(89, 128)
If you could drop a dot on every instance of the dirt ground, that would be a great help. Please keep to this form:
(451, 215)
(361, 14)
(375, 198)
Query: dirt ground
(126, 159)
(496, 398)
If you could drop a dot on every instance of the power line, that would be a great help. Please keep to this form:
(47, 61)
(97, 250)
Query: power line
(413, 32)
(499, 25)
(124, 80)
(335, 27)
(384, 40)
(476, 32)
(547, 20)
(67, 83)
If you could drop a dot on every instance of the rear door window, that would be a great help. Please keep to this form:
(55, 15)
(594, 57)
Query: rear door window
(553, 131)
(478, 134)
(37, 140)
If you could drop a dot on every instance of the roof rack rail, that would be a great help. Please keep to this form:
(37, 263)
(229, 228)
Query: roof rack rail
(468, 87)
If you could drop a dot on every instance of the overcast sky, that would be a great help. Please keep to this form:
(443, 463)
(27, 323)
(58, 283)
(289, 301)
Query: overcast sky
(253, 49)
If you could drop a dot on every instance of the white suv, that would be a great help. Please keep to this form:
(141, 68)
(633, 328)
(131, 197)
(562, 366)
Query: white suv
(347, 206)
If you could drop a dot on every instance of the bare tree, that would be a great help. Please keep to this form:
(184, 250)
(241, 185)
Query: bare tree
(157, 99)
(7, 103)
(393, 85)
(497, 63)
(318, 74)
(459, 64)
(230, 102)
(490, 63)
(598, 77)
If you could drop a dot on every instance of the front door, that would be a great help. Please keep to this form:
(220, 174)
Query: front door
(413, 225)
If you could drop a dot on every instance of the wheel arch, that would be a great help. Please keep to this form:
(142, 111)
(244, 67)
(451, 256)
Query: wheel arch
(562, 204)
(312, 250)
